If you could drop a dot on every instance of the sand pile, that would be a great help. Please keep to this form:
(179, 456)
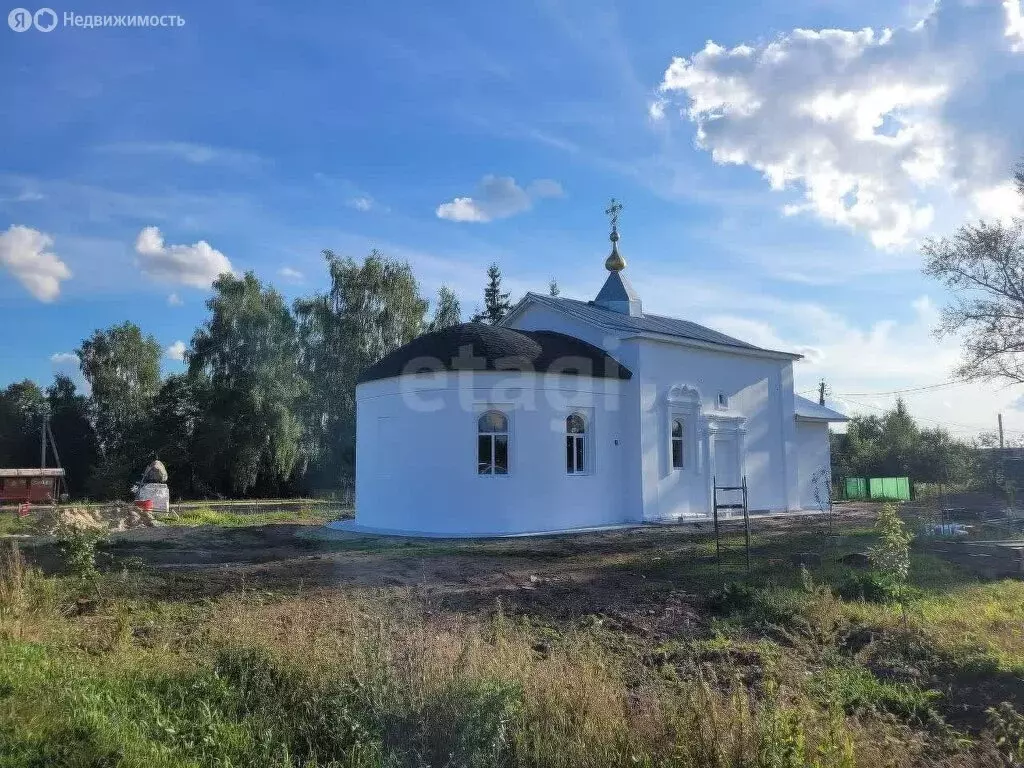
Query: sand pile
(58, 519)
(115, 518)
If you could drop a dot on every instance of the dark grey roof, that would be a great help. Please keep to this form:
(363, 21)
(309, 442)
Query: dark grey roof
(618, 295)
(479, 347)
(646, 323)
(812, 411)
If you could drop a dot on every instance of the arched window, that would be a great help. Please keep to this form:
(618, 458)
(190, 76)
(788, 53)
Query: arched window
(677, 444)
(575, 444)
(492, 444)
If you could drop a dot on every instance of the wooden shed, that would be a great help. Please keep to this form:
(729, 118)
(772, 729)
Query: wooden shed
(36, 486)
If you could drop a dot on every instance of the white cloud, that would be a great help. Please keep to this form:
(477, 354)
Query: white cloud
(24, 252)
(878, 131)
(544, 188)
(64, 358)
(498, 197)
(174, 300)
(195, 154)
(1014, 24)
(857, 360)
(25, 196)
(362, 203)
(176, 351)
(291, 275)
(899, 350)
(1001, 202)
(197, 265)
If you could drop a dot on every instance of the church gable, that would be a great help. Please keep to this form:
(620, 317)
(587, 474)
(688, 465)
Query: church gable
(618, 310)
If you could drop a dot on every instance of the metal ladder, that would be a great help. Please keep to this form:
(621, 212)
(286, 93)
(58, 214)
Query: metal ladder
(746, 516)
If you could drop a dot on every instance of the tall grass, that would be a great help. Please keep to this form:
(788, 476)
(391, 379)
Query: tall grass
(387, 678)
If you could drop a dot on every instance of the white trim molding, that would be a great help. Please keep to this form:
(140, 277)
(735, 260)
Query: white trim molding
(683, 402)
(731, 425)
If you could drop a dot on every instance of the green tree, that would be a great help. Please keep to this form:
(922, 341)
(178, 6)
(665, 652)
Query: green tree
(496, 303)
(890, 557)
(982, 265)
(448, 312)
(123, 370)
(893, 445)
(248, 349)
(899, 441)
(179, 412)
(940, 458)
(553, 289)
(856, 453)
(73, 433)
(371, 309)
(22, 410)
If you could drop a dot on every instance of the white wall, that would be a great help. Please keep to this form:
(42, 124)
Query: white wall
(540, 318)
(416, 467)
(759, 388)
(814, 454)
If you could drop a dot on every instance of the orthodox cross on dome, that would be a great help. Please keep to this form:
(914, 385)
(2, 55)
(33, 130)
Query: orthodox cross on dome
(614, 262)
(617, 295)
(612, 211)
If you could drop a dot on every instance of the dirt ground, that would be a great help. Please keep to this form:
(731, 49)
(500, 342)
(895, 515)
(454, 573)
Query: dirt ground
(626, 572)
(559, 576)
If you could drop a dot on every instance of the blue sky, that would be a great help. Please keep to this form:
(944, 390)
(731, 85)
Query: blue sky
(776, 183)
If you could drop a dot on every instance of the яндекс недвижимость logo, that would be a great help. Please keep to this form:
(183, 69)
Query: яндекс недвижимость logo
(46, 20)
(22, 19)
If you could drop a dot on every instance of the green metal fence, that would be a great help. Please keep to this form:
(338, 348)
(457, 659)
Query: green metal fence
(892, 488)
(856, 488)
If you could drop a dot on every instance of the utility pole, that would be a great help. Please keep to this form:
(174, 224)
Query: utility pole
(42, 445)
(1000, 431)
(821, 392)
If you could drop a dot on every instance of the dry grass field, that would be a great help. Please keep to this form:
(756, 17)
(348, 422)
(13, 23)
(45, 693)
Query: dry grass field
(222, 643)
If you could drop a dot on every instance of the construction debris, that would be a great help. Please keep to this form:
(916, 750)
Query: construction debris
(155, 496)
(155, 473)
(152, 493)
(114, 518)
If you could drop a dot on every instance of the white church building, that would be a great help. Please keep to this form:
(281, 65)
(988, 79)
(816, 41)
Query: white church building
(579, 414)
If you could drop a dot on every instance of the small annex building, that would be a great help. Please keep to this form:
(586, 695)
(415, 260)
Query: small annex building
(577, 414)
(31, 486)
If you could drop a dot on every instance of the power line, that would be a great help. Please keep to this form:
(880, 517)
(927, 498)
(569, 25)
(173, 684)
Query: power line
(945, 424)
(950, 383)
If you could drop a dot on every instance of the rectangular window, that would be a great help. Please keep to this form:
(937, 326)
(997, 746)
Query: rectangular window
(492, 444)
(492, 455)
(575, 454)
(501, 454)
(677, 437)
(484, 454)
(576, 428)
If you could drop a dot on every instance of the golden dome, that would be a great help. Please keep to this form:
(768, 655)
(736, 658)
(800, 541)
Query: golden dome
(614, 262)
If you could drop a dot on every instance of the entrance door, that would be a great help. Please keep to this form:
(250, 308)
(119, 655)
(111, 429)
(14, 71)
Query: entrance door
(727, 461)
